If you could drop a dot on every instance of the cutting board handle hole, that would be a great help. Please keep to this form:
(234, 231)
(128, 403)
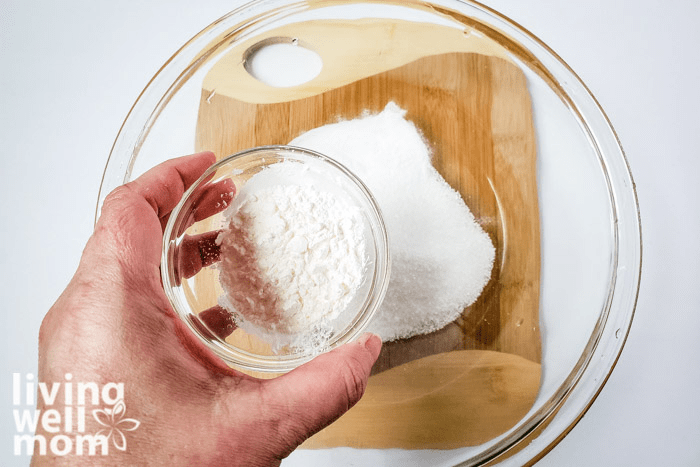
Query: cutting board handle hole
(282, 62)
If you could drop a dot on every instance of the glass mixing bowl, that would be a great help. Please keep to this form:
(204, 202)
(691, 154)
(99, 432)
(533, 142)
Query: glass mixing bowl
(586, 214)
(195, 291)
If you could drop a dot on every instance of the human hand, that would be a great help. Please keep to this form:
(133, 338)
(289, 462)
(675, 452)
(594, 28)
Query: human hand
(113, 323)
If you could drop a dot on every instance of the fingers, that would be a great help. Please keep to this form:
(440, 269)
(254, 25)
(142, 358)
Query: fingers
(196, 252)
(312, 396)
(208, 199)
(130, 226)
(155, 192)
(212, 198)
(164, 185)
(217, 320)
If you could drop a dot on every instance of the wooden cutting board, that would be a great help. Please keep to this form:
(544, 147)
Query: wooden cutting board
(477, 377)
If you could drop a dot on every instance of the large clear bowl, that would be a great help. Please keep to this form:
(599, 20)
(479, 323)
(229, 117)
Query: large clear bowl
(590, 235)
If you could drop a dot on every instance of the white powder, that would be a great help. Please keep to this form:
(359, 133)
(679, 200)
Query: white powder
(441, 258)
(293, 256)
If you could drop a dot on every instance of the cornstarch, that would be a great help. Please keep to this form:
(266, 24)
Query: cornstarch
(441, 257)
(293, 257)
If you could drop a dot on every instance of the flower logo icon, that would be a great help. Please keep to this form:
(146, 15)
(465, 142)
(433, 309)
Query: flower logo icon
(114, 422)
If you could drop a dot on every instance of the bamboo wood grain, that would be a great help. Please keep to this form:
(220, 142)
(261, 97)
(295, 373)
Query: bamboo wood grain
(420, 403)
(475, 112)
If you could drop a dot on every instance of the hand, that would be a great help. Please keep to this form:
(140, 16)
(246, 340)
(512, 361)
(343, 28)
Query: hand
(113, 323)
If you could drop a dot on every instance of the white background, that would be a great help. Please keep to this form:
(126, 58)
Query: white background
(70, 71)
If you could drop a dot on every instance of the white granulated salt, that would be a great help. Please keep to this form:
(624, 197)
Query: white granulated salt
(441, 257)
(292, 255)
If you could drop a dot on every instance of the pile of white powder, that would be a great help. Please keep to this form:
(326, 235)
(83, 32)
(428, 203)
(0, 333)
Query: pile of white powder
(292, 257)
(293, 254)
(441, 257)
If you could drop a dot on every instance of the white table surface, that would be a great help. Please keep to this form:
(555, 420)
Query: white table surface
(70, 71)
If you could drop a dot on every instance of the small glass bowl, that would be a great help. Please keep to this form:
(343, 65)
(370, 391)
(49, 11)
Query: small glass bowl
(190, 257)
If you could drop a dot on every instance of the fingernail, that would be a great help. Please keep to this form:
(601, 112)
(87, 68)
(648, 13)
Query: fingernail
(371, 342)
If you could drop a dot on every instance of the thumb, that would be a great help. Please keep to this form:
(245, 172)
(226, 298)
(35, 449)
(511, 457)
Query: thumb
(318, 392)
